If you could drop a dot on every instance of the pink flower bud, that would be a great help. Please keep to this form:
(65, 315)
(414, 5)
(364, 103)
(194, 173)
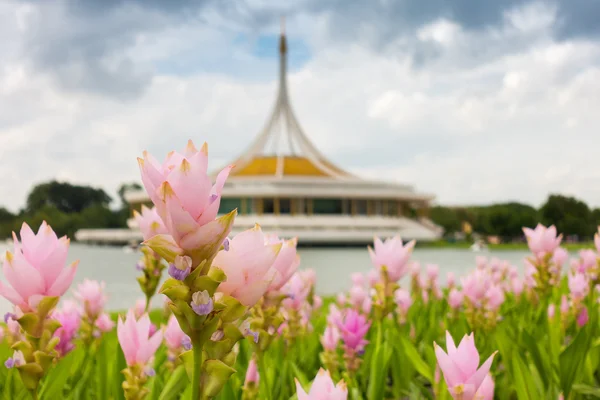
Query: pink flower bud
(391, 255)
(455, 299)
(450, 279)
(323, 388)
(330, 338)
(149, 222)
(542, 240)
(91, 293)
(358, 279)
(36, 269)
(104, 323)
(252, 375)
(583, 317)
(578, 286)
(564, 305)
(134, 339)
(187, 203)
(551, 311)
(560, 256)
(459, 366)
(247, 265)
(403, 300)
(433, 272)
(317, 302)
(373, 277)
(353, 329)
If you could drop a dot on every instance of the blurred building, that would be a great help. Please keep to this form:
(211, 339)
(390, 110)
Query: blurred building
(283, 182)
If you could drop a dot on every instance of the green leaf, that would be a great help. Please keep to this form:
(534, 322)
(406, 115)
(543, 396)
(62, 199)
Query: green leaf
(118, 377)
(587, 390)
(55, 381)
(523, 381)
(572, 358)
(416, 360)
(175, 385)
(103, 365)
(540, 359)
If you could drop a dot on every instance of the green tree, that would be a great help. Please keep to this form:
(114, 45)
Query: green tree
(570, 216)
(65, 197)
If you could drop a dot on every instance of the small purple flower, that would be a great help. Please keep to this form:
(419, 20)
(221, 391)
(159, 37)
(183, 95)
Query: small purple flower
(217, 335)
(226, 244)
(181, 268)
(8, 316)
(202, 303)
(139, 266)
(149, 371)
(16, 360)
(249, 332)
(186, 343)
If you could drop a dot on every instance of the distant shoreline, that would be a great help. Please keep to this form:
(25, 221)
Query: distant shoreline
(441, 244)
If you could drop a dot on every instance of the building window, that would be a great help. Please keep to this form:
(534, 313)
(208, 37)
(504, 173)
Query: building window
(229, 204)
(392, 208)
(361, 207)
(327, 206)
(268, 206)
(285, 206)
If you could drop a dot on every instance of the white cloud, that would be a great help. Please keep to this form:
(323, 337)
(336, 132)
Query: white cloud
(513, 125)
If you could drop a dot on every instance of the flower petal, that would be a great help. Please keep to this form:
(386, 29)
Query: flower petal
(64, 280)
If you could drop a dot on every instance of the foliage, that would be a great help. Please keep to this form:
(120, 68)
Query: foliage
(66, 197)
(570, 215)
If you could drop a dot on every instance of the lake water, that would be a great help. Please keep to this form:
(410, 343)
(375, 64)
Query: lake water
(332, 265)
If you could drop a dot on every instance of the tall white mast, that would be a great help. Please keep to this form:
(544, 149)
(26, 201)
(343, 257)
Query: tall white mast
(283, 128)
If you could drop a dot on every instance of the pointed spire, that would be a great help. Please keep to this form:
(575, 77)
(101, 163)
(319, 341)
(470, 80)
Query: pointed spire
(282, 41)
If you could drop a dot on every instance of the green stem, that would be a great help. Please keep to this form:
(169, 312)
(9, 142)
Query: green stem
(197, 350)
(264, 376)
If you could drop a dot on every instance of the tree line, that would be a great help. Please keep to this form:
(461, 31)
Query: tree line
(68, 208)
(572, 217)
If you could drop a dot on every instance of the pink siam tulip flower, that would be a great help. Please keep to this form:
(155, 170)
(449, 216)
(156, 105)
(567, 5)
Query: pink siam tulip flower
(578, 286)
(149, 222)
(247, 265)
(391, 255)
(358, 294)
(140, 308)
(494, 297)
(542, 240)
(486, 390)
(91, 294)
(286, 263)
(323, 388)
(367, 305)
(358, 279)
(551, 311)
(252, 375)
(309, 276)
(340, 298)
(481, 262)
(403, 300)
(330, 338)
(560, 256)
(455, 299)
(335, 316)
(317, 302)
(517, 286)
(187, 202)
(583, 317)
(433, 271)
(425, 296)
(134, 339)
(476, 285)
(588, 260)
(104, 323)
(70, 321)
(450, 279)
(564, 305)
(353, 329)
(373, 277)
(297, 290)
(36, 269)
(173, 335)
(459, 367)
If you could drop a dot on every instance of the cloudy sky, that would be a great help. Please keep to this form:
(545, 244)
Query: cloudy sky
(474, 101)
